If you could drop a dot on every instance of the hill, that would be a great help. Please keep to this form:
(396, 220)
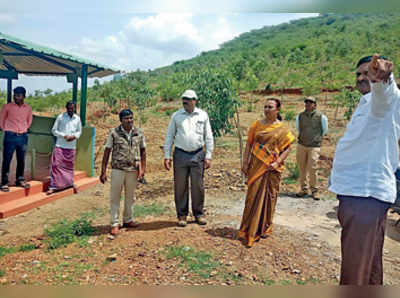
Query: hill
(319, 51)
(311, 53)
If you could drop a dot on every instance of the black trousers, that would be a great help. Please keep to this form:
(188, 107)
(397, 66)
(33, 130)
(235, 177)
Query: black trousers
(363, 222)
(188, 165)
(13, 143)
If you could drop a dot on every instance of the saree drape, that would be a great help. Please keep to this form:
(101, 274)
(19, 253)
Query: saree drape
(267, 142)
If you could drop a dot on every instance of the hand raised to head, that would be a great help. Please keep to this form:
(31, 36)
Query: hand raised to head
(379, 69)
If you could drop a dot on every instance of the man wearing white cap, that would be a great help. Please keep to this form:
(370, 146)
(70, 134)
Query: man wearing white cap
(190, 131)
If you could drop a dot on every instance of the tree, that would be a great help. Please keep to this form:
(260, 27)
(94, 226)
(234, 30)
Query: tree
(217, 96)
(137, 90)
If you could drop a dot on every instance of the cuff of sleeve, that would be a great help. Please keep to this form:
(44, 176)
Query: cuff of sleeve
(384, 84)
(166, 156)
(208, 156)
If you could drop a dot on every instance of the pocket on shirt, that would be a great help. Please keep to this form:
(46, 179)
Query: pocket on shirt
(200, 127)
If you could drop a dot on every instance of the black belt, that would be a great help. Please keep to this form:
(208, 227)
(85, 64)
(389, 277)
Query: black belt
(189, 152)
(15, 133)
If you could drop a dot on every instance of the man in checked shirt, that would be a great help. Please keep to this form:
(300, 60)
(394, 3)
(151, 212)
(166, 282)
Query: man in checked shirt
(190, 131)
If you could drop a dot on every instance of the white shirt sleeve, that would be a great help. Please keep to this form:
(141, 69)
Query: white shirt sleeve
(208, 139)
(382, 96)
(297, 123)
(56, 132)
(324, 124)
(169, 138)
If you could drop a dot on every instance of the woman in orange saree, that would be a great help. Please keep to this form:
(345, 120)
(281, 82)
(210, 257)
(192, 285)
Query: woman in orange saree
(268, 145)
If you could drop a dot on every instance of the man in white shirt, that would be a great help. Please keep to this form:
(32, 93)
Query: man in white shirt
(190, 130)
(311, 126)
(363, 172)
(67, 128)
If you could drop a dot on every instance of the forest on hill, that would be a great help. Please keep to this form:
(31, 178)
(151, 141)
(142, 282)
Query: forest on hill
(310, 53)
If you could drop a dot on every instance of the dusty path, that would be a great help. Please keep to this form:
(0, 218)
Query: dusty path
(318, 222)
(305, 244)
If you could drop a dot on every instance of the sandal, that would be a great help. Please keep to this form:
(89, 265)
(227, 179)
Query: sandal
(4, 188)
(50, 191)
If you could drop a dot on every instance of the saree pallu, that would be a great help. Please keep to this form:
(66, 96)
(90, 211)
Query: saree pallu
(62, 168)
(263, 183)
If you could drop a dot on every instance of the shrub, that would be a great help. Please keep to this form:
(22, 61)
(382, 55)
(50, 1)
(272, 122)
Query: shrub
(289, 115)
(66, 232)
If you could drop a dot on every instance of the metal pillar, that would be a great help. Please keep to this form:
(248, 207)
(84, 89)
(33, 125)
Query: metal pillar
(84, 75)
(9, 90)
(75, 90)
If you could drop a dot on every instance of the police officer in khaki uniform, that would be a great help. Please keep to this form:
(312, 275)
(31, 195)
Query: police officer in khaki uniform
(128, 163)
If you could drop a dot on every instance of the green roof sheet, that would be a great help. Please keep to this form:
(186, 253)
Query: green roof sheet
(32, 59)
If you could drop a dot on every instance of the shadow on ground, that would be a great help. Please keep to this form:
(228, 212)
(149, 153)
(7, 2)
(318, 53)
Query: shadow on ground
(145, 226)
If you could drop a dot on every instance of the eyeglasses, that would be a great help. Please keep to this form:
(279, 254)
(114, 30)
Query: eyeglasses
(269, 107)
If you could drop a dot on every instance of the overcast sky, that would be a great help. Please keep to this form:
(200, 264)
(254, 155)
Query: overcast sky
(130, 35)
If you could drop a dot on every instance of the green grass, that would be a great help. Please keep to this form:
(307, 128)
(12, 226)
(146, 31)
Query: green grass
(26, 247)
(198, 262)
(269, 282)
(285, 282)
(301, 282)
(66, 232)
(7, 250)
(2, 273)
(154, 209)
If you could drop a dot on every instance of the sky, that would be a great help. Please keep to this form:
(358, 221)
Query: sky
(130, 35)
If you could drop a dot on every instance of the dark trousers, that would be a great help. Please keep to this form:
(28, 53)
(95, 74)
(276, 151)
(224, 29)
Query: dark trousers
(13, 142)
(363, 223)
(189, 165)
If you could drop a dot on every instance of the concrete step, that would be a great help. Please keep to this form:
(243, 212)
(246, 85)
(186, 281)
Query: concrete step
(36, 187)
(24, 204)
(77, 176)
(16, 193)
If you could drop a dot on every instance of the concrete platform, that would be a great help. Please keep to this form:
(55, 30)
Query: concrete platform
(19, 200)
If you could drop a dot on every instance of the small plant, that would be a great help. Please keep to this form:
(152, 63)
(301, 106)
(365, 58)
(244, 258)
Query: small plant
(66, 232)
(294, 173)
(269, 282)
(301, 282)
(2, 273)
(27, 247)
(285, 282)
(198, 262)
(7, 250)
(144, 210)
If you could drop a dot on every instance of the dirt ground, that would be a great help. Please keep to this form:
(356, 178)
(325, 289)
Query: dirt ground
(304, 247)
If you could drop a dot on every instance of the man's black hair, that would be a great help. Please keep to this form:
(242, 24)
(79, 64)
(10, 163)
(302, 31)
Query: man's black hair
(69, 103)
(20, 90)
(124, 113)
(368, 59)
